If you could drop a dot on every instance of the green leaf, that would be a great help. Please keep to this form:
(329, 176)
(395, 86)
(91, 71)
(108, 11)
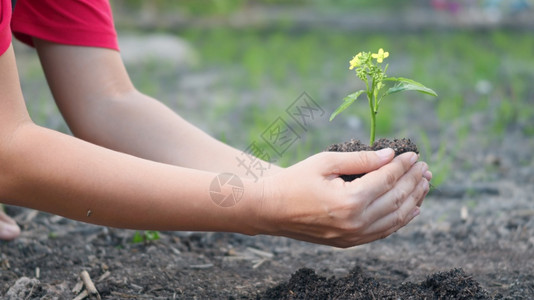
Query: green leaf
(137, 238)
(146, 236)
(347, 101)
(405, 84)
(152, 235)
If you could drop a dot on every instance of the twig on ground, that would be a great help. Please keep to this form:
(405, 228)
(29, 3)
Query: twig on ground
(259, 263)
(134, 296)
(31, 292)
(89, 285)
(260, 253)
(176, 251)
(30, 215)
(103, 276)
(4, 263)
(464, 213)
(137, 287)
(77, 288)
(201, 266)
(82, 295)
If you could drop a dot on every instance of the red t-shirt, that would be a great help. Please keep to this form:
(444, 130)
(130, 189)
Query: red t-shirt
(72, 22)
(5, 32)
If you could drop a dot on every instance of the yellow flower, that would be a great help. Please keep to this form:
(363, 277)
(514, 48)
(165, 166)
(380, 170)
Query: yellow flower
(355, 62)
(380, 55)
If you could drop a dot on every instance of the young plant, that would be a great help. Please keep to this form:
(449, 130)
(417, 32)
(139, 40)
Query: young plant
(145, 237)
(368, 68)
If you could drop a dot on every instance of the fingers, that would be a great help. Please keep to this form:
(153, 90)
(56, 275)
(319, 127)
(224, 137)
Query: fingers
(347, 163)
(398, 217)
(366, 209)
(428, 175)
(402, 190)
(399, 205)
(376, 183)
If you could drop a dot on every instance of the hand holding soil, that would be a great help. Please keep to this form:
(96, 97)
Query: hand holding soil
(323, 208)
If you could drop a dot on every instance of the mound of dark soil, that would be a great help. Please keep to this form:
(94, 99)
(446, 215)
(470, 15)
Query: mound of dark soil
(306, 284)
(398, 145)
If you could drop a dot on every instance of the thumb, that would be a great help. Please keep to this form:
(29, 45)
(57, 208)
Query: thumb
(351, 163)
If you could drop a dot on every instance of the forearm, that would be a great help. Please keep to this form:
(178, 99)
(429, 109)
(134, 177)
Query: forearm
(56, 173)
(100, 104)
(137, 124)
(60, 174)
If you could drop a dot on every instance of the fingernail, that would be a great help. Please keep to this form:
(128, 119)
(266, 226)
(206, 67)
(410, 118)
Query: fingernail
(424, 184)
(384, 153)
(414, 158)
(9, 231)
(428, 175)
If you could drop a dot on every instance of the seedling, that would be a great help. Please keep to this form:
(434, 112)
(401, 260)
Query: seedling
(368, 67)
(145, 237)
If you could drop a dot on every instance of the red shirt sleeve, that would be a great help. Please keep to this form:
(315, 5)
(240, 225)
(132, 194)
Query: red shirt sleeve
(5, 32)
(72, 22)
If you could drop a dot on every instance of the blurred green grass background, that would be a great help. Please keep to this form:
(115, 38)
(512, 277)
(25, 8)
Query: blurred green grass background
(245, 76)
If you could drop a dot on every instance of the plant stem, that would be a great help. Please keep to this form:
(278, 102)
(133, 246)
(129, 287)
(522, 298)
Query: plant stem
(373, 119)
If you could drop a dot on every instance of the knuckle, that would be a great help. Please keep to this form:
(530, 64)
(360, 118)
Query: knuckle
(331, 160)
(404, 161)
(422, 189)
(419, 173)
(399, 199)
(364, 158)
(357, 207)
(390, 180)
(349, 227)
(342, 210)
(357, 226)
(398, 219)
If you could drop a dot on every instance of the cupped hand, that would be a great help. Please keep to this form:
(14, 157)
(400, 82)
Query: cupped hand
(309, 201)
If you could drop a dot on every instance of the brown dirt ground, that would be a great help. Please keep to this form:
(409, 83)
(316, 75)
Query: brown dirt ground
(475, 235)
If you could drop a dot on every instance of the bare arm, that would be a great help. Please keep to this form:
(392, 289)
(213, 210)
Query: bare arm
(53, 172)
(100, 104)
